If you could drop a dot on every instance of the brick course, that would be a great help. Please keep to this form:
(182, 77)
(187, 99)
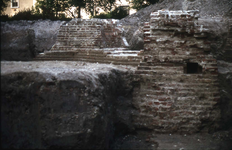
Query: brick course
(92, 40)
(92, 33)
(169, 98)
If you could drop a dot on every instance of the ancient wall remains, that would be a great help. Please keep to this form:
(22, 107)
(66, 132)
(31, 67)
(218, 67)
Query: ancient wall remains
(178, 88)
(91, 33)
(177, 76)
(92, 40)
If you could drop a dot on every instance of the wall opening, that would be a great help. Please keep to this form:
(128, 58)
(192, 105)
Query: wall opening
(14, 4)
(192, 68)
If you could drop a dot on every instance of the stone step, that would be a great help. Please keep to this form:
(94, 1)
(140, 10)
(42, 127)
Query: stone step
(124, 52)
(112, 61)
(130, 57)
(69, 55)
(96, 59)
(87, 55)
(116, 48)
(93, 55)
(94, 50)
(71, 48)
(116, 62)
(72, 54)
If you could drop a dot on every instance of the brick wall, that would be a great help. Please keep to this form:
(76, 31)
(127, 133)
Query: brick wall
(178, 83)
(91, 33)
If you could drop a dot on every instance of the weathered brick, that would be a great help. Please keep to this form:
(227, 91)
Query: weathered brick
(172, 40)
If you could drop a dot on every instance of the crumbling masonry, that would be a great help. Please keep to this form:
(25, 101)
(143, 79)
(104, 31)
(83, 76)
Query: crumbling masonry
(93, 34)
(93, 40)
(177, 86)
(178, 76)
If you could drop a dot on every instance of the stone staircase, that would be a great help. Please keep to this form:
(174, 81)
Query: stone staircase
(116, 56)
(92, 40)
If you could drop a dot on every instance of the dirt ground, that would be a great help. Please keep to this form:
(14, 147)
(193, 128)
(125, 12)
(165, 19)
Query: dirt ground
(221, 140)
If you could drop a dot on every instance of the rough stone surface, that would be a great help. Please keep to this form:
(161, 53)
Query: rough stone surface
(63, 104)
(136, 41)
(225, 80)
(23, 40)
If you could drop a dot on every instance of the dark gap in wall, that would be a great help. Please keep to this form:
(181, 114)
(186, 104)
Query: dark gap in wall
(192, 68)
